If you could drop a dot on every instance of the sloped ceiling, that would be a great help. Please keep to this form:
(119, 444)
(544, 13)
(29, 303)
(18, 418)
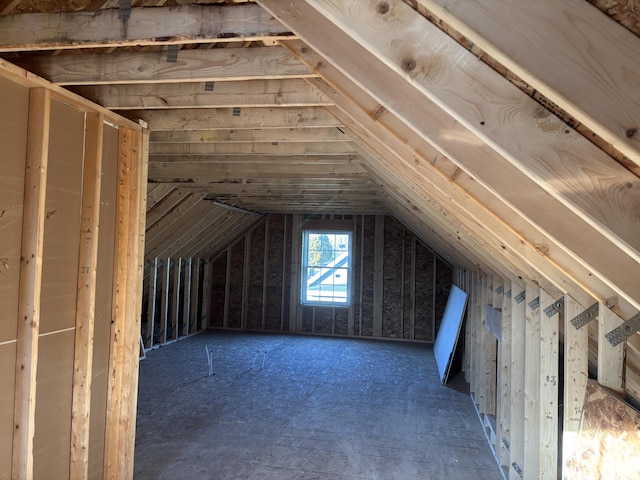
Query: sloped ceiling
(504, 134)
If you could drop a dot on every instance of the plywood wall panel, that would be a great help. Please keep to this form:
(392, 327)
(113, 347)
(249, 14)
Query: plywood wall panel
(443, 281)
(236, 284)
(408, 286)
(406, 276)
(356, 279)
(424, 293)
(7, 380)
(392, 285)
(273, 310)
(323, 320)
(256, 278)
(53, 406)
(307, 319)
(62, 221)
(341, 321)
(218, 281)
(13, 138)
(102, 322)
(286, 268)
(368, 252)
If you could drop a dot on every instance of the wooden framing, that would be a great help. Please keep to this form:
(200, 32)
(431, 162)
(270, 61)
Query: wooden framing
(550, 62)
(360, 108)
(30, 282)
(182, 25)
(88, 255)
(195, 66)
(50, 199)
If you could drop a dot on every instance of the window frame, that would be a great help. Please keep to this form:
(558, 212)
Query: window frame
(304, 265)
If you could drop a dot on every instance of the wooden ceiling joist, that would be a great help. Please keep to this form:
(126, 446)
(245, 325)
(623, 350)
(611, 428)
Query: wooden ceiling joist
(179, 25)
(478, 128)
(182, 151)
(233, 119)
(194, 65)
(436, 177)
(227, 94)
(257, 135)
(585, 63)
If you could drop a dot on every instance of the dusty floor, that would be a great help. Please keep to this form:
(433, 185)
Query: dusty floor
(311, 408)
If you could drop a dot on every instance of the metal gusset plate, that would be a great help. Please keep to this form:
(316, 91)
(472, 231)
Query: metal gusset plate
(520, 297)
(585, 317)
(624, 331)
(499, 289)
(555, 308)
(535, 303)
(507, 294)
(518, 470)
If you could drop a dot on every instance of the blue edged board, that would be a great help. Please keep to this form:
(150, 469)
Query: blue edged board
(447, 337)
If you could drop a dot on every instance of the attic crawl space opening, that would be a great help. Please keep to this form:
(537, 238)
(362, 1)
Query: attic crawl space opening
(493, 143)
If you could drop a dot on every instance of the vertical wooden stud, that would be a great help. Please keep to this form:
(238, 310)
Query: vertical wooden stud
(227, 289)
(548, 388)
(30, 282)
(412, 283)
(610, 359)
(295, 313)
(504, 400)
(186, 313)
(125, 329)
(206, 295)
(165, 304)
(576, 374)
(532, 384)
(175, 301)
(85, 301)
(481, 346)
(195, 288)
(151, 304)
(491, 358)
(378, 278)
(246, 272)
(518, 342)
(472, 316)
(265, 276)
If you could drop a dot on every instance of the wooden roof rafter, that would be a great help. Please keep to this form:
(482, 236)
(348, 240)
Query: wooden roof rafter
(340, 30)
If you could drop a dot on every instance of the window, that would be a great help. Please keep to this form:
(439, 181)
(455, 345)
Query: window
(326, 267)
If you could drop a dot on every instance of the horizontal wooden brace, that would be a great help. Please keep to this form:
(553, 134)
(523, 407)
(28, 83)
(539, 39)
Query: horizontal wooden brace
(141, 26)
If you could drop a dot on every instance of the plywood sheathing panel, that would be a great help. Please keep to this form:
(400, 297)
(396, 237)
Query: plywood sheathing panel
(608, 445)
(256, 278)
(443, 280)
(217, 290)
(357, 274)
(53, 405)
(14, 99)
(323, 320)
(102, 322)
(368, 253)
(392, 284)
(7, 380)
(424, 295)
(62, 221)
(341, 321)
(273, 311)
(236, 282)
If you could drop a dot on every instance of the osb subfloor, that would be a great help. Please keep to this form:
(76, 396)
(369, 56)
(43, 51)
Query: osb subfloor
(311, 408)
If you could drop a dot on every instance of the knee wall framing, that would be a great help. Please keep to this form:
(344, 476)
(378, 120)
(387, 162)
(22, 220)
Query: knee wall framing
(72, 198)
(518, 384)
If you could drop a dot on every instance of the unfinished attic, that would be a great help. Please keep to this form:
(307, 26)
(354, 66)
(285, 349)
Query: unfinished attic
(180, 167)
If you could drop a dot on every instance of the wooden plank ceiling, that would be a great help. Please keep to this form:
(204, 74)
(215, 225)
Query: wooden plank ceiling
(506, 150)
